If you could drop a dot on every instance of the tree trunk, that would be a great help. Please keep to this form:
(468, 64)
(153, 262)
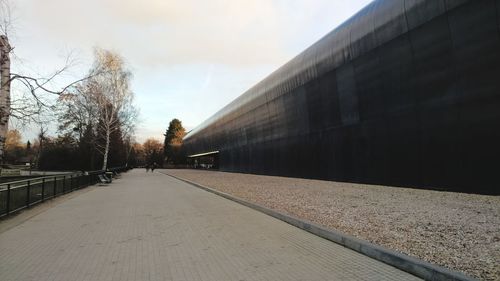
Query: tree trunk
(106, 152)
(92, 160)
(4, 92)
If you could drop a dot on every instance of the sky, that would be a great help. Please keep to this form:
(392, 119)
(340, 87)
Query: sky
(189, 58)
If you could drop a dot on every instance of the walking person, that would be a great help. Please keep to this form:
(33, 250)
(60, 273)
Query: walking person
(147, 168)
(153, 167)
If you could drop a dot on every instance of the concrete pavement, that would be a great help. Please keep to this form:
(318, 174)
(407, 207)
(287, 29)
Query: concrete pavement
(153, 227)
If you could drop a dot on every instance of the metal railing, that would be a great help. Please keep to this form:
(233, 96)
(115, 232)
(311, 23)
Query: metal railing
(18, 195)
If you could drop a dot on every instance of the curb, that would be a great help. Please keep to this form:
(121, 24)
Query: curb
(406, 263)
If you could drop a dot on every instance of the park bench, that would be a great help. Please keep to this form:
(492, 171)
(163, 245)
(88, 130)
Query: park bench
(104, 179)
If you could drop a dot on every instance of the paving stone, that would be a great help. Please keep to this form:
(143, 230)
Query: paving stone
(148, 226)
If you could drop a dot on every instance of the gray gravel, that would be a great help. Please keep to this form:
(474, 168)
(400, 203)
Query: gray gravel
(455, 230)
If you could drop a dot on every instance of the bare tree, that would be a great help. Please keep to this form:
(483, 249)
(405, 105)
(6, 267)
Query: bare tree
(42, 137)
(5, 50)
(28, 107)
(5, 17)
(114, 97)
(78, 109)
(105, 102)
(153, 151)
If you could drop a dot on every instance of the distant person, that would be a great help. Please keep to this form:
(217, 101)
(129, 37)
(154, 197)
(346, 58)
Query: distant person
(153, 167)
(147, 168)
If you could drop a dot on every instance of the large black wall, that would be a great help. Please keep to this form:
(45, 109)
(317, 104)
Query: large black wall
(404, 93)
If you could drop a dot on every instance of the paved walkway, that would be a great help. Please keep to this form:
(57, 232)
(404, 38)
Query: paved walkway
(153, 227)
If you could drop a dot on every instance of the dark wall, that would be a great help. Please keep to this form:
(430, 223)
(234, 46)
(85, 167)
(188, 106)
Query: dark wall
(405, 93)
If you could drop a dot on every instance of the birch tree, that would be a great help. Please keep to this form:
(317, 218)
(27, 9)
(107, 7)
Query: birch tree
(5, 50)
(113, 97)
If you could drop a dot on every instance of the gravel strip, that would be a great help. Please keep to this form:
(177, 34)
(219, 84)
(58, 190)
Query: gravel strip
(455, 230)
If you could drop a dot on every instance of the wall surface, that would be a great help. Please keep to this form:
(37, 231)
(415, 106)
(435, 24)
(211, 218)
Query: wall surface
(405, 93)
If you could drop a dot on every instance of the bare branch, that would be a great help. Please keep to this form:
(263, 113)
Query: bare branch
(34, 84)
(5, 17)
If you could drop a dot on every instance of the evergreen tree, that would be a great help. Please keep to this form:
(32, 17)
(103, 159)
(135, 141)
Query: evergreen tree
(172, 146)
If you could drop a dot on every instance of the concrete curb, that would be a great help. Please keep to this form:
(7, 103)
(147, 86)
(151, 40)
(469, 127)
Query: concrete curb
(406, 263)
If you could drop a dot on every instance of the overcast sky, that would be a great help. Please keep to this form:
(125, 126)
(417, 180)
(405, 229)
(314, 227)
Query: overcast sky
(189, 57)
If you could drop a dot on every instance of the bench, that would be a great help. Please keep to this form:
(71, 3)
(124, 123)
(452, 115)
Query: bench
(104, 179)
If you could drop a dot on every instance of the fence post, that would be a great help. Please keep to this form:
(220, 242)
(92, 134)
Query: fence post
(28, 193)
(43, 189)
(64, 184)
(71, 182)
(7, 205)
(55, 186)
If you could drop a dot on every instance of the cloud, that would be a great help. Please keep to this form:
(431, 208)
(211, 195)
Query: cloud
(238, 33)
(189, 57)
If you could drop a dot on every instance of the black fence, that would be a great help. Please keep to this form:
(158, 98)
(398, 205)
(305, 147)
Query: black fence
(18, 195)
